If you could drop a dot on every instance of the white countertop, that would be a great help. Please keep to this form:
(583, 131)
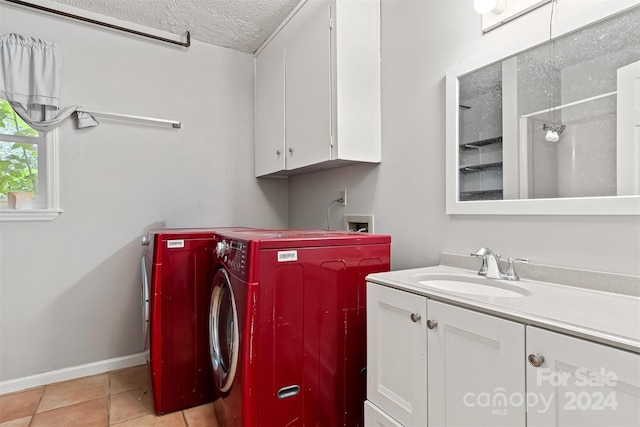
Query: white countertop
(604, 317)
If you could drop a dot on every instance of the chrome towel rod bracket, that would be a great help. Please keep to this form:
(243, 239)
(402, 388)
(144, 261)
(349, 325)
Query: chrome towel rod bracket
(103, 24)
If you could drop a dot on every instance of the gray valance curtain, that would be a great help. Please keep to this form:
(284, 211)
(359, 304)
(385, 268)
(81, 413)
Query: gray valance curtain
(30, 76)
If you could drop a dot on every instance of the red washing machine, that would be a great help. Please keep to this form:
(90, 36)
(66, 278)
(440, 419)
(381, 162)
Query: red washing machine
(177, 273)
(288, 325)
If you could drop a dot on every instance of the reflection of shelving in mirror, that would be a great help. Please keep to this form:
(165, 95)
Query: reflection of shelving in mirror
(481, 169)
(467, 196)
(480, 141)
(481, 154)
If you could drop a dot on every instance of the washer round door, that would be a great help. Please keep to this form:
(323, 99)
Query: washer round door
(144, 302)
(223, 331)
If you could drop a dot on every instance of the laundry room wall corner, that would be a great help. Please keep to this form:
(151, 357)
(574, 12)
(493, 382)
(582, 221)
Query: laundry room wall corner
(70, 288)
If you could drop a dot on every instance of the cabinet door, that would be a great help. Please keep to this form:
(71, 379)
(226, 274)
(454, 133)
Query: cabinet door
(397, 354)
(476, 369)
(374, 417)
(308, 85)
(580, 383)
(269, 109)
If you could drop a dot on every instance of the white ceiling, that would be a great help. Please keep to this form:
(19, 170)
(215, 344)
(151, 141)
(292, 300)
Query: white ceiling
(241, 25)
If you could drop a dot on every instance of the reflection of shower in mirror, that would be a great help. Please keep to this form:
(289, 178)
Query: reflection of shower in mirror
(553, 132)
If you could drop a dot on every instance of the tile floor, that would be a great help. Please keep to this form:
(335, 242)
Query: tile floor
(120, 398)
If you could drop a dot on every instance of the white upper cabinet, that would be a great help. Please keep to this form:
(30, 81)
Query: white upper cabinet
(269, 102)
(308, 86)
(317, 89)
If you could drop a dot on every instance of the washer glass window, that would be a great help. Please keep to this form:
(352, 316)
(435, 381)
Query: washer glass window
(223, 331)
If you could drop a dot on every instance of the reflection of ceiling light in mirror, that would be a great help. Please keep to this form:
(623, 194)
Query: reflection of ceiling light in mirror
(552, 136)
(553, 132)
(488, 6)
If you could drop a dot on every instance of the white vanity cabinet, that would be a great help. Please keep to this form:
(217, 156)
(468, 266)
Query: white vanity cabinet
(317, 89)
(471, 355)
(432, 363)
(475, 363)
(396, 355)
(580, 383)
(375, 417)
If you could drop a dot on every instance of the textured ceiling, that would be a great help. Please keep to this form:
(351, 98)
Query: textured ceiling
(237, 24)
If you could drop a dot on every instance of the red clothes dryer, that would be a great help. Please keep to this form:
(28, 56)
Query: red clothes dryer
(288, 325)
(177, 273)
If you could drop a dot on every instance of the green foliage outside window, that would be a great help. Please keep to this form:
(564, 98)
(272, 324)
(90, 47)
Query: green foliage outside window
(18, 160)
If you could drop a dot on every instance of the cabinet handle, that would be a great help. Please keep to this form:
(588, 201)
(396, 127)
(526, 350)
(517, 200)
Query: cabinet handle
(290, 150)
(415, 317)
(536, 360)
(431, 324)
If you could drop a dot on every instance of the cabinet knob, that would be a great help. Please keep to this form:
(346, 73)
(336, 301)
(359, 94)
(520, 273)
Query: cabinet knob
(536, 360)
(278, 153)
(432, 324)
(415, 317)
(291, 150)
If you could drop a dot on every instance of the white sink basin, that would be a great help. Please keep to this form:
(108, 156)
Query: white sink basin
(472, 286)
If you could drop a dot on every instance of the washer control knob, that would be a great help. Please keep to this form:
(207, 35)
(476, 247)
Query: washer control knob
(221, 248)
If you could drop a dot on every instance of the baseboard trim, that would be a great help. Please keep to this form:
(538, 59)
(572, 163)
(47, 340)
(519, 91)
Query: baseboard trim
(73, 372)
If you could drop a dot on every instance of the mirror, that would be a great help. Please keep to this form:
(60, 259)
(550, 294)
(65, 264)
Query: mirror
(554, 128)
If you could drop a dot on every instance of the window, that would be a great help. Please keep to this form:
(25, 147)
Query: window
(27, 165)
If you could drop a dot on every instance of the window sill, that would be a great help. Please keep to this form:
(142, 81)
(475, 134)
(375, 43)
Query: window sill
(24, 215)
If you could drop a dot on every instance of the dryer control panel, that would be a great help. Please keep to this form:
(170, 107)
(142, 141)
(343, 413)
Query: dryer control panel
(233, 253)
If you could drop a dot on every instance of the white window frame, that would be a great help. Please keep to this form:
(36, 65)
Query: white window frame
(47, 181)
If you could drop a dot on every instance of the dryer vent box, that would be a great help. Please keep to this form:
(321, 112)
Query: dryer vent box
(359, 223)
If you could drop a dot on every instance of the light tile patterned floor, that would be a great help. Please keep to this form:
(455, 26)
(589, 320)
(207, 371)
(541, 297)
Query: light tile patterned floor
(121, 398)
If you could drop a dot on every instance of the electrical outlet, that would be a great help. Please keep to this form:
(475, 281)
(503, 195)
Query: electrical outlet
(343, 196)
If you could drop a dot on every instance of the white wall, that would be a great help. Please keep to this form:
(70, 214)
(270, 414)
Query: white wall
(69, 289)
(420, 40)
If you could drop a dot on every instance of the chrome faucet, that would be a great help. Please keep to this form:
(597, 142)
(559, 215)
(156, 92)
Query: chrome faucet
(491, 267)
